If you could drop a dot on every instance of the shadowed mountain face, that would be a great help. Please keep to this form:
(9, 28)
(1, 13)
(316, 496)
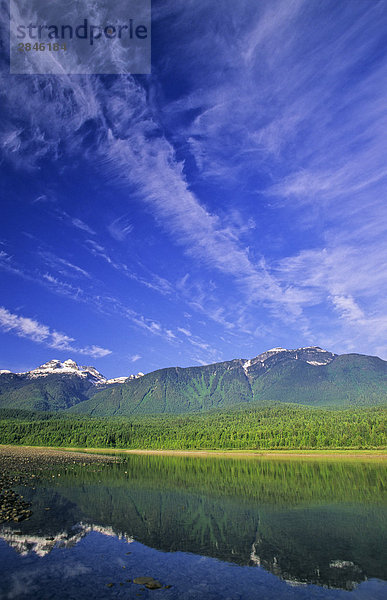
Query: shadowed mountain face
(309, 376)
(304, 522)
(54, 386)
(54, 392)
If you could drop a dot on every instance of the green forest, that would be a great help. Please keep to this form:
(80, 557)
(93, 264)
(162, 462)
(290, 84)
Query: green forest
(275, 427)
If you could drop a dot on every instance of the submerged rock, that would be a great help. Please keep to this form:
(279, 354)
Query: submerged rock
(153, 585)
(149, 582)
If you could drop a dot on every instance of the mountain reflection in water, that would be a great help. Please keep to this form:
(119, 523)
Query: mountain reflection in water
(305, 522)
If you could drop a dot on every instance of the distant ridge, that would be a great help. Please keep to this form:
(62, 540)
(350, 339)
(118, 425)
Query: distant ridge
(310, 375)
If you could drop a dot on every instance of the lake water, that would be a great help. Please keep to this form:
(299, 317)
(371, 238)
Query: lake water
(211, 528)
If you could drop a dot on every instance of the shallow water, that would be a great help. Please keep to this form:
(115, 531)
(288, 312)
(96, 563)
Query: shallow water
(208, 527)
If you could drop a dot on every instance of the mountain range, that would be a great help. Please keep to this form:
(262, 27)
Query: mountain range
(309, 376)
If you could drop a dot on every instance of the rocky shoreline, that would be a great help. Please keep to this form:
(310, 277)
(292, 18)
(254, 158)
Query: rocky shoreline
(20, 465)
(12, 505)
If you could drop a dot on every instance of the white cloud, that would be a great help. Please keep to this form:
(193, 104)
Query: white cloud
(42, 199)
(135, 357)
(160, 181)
(119, 229)
(8, 264)
(336, 270)
(353, 281)
(101, 303)
(98, 250)
(201, 362)
(31, 329)
(198, 344)
(94, 351)
(155, 282)
(79, 224)
(348, 308)
(170, 335)
(24, 327)
(185, 331)
(63, 266)
(149, 162)
(62, 288)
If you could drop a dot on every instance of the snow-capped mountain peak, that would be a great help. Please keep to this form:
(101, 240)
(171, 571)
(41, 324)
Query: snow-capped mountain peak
(70, 367)
(313, 355)
(71, 364)
(67, 367)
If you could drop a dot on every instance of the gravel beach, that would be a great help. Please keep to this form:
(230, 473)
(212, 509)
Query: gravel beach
(20, 465)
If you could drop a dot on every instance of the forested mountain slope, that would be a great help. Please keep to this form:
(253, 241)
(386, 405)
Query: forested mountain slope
(346, 380)
(309, 376)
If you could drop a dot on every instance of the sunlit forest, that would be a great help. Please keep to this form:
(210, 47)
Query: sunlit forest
(274, 427)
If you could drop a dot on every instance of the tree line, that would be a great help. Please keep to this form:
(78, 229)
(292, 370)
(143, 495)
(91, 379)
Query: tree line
(276, 427)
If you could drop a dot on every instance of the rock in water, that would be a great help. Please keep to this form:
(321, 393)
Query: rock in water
(149, 582)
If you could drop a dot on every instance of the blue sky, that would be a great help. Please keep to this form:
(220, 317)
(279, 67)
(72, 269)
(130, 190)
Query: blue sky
(232, 201)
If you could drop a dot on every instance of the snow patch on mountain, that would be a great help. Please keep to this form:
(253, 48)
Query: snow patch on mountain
(316, 363)
(246, 365)
(118, 379)
(276, 350)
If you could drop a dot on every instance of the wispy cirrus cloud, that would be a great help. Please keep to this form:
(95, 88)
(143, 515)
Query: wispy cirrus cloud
(161, 184)
(353, 282)
(153, 281)
(135, 357)
(63, 266)
(7, 263)
(119, 229)
(74, 221)
(184, 331)
(43, 198)
(100, 302)
(35, 331)
(147, 160)
(337, 270)
(79, 224)
(284, 113)
(211, 353)
(60, 287)
(348, 309)
(98, 250)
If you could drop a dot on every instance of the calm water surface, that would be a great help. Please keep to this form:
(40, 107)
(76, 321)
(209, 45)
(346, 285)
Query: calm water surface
(210, 528)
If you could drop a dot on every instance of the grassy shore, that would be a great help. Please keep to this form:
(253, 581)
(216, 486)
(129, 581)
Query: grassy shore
(374, 454)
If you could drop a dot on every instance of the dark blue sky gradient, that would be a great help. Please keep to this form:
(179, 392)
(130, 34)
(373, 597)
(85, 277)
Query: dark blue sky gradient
(230, 202)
